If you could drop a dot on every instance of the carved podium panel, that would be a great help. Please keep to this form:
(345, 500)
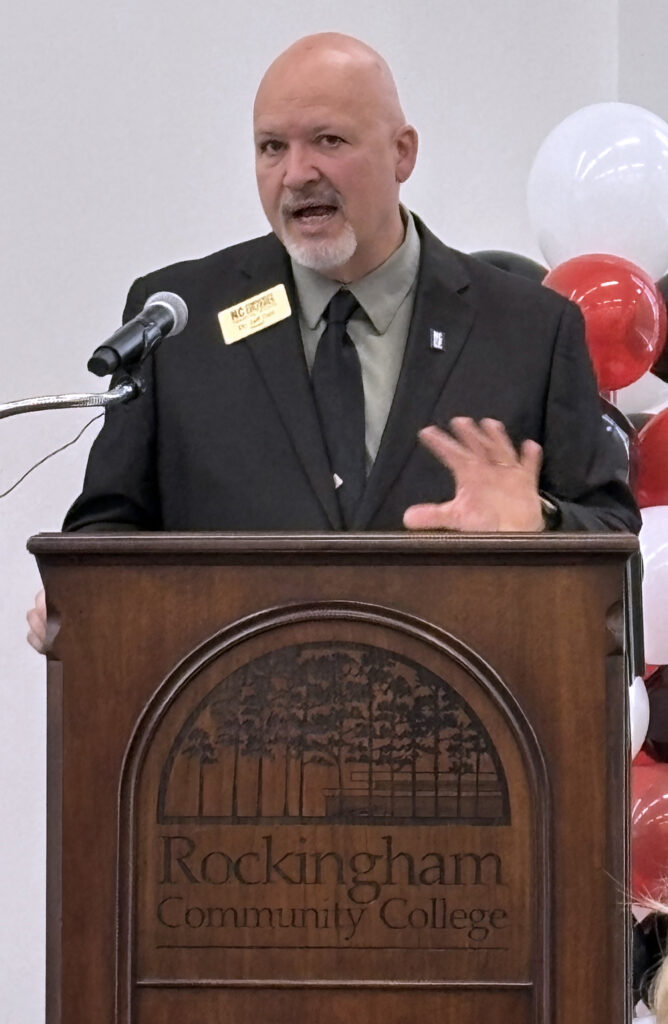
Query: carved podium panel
(309, 778)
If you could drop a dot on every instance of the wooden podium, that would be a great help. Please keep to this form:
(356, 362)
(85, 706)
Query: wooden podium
(334, 778)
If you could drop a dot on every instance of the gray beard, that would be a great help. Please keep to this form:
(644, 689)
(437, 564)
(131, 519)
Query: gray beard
(326, 255)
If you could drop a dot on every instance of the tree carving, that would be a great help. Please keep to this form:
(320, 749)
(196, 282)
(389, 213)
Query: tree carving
(341, 731)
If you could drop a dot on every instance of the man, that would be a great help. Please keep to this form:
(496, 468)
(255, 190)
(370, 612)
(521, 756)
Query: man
(247, 428)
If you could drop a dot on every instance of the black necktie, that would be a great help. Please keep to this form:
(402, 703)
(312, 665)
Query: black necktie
(339, 397)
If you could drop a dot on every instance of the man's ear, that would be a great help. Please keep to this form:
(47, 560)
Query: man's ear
(406, 145)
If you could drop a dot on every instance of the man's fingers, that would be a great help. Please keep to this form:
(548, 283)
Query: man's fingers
(470, 442)
(531, 457)
(487, 441)
(37, 621)
(37, 642)
(444, 447)
(428, 516)
(469, 434)
(498, 446)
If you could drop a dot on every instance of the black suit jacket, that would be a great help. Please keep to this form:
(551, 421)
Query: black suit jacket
(226, 437)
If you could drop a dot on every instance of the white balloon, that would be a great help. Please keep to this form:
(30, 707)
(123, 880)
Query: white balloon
(654, 548)
(640, 912)
(647, 394)
(638, 714)
(599, 184)
(659, 407)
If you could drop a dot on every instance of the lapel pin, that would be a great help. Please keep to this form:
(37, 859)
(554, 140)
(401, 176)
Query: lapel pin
(436, 340)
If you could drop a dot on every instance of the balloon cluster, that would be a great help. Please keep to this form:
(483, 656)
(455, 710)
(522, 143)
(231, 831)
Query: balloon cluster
(598, 201)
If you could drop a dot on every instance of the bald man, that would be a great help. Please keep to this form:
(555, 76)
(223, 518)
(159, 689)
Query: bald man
(332, 147)
(231, 434)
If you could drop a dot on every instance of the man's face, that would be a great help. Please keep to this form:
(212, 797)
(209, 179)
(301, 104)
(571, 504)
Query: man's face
(328, 168)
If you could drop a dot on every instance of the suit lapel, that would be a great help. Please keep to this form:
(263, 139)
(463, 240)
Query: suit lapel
(439, 307)
(278, 354)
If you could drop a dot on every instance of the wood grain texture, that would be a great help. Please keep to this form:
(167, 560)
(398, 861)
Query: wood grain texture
(242, 716)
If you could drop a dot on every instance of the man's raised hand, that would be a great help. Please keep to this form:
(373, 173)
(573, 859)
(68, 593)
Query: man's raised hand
(496, 486)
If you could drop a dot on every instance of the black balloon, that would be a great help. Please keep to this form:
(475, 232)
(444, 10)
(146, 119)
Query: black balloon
(662, 285)
(624, 422)
(639, 419)
(513, 263)
(621, 431)
(660, 368)
(656, 743)
(649, 944)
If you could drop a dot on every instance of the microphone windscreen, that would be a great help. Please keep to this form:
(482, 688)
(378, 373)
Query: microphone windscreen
(176, 307)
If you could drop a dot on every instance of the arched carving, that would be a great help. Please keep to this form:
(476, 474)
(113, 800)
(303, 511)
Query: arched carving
(357, 733)
(456, 810)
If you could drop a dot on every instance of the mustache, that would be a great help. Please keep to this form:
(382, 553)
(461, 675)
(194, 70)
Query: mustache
(304, 198)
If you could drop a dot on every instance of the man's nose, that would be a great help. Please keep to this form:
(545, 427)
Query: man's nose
(299, 168)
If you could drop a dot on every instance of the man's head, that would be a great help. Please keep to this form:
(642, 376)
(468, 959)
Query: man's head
(331, 150)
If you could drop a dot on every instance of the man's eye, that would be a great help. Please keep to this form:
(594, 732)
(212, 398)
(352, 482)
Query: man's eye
(330, 141)
(271, 146)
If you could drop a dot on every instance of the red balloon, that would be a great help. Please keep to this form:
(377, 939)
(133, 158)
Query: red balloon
(649, 831)
(643, 759)
(650, 465)
(624, 313)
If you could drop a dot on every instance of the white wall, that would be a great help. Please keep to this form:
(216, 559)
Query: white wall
(643, 74)
(643, 62)
(127, 145)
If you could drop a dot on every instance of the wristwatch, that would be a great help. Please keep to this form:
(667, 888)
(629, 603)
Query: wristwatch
(551, 511)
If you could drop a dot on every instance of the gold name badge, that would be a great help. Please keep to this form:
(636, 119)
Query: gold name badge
(254, 314)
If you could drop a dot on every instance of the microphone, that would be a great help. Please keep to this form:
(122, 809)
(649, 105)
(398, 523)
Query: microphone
(163, 315)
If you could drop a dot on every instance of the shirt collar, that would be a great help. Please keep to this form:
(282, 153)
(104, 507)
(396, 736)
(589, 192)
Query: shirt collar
(379, 293)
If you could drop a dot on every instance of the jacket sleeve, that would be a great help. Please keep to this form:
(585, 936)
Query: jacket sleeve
(582, 470)
(120, 489)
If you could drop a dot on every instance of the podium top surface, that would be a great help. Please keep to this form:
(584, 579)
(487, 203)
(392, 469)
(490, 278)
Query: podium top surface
(246, 546)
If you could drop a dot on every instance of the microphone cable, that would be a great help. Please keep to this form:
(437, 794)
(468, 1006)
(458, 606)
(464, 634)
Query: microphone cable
(62, 448)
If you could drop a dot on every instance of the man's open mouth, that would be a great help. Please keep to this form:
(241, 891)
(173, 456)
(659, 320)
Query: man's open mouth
(313, 212)
(305, 213)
